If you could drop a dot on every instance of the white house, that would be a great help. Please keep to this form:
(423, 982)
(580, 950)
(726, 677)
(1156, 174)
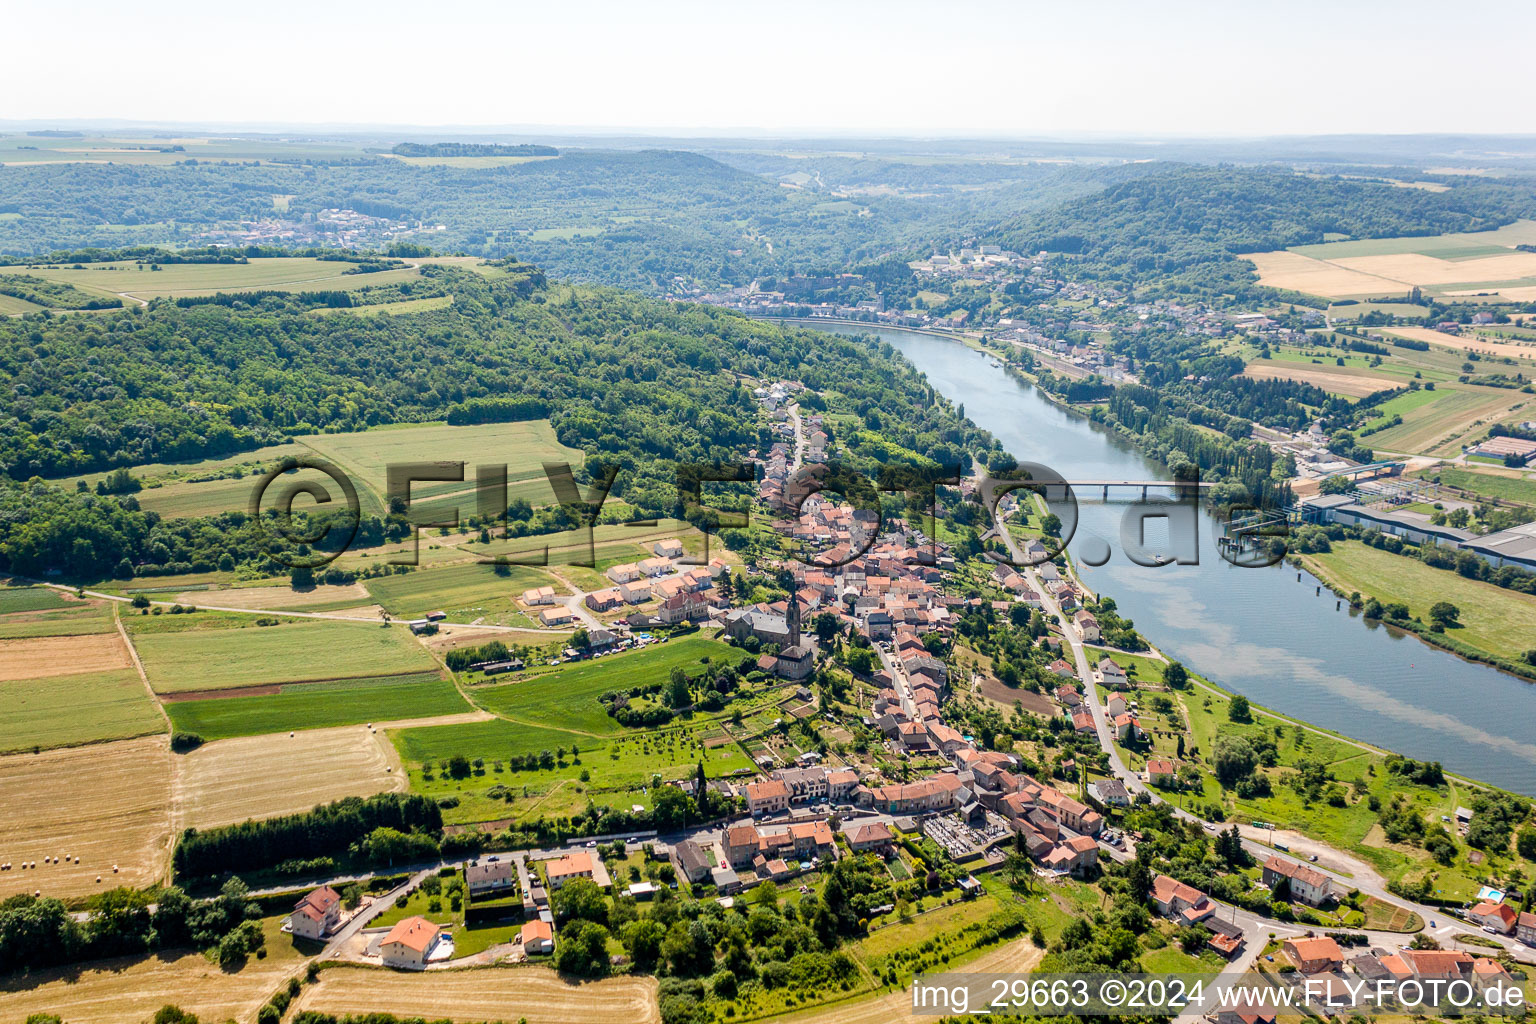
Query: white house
(316, 915)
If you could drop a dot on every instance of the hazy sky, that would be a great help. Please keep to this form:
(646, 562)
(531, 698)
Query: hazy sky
(972, 67)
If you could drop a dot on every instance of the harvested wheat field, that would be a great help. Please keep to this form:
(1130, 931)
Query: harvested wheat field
(1295, 272)
(119, 991)
(1017, 957)
(1519, 293)
(263, 776)
(492, 993)
(1352, 385)
(41, 657)
(1411, 268)
(274, 597)
(106, 804)
(1465, 344)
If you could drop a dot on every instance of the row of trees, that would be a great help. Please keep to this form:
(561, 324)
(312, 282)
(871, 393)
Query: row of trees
(41, 932)
(330, 829)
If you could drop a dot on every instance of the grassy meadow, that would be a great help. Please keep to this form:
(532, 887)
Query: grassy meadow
(194, 658)
(30, 599)
(1201, 714)
(318, 706)
(466, 592)
(1493, 485)
(1499, 621)
(78, 619)
(61, 711)
(568, 699)
(137, 281)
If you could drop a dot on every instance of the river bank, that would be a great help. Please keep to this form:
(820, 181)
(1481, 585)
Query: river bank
(1285, 644)
(1359, 593)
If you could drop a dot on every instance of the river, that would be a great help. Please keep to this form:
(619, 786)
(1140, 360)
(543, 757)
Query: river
(1256, 631)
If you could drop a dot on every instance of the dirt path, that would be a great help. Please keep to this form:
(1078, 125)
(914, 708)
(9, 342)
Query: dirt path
(175, 809)
(1303, 848)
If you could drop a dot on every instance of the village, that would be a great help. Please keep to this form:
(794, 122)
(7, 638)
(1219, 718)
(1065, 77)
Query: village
(885, 586)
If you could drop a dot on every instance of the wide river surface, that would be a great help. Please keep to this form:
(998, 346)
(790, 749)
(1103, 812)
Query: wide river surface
(1257, 631)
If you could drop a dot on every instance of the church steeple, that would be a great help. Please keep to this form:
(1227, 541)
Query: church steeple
(792, 619)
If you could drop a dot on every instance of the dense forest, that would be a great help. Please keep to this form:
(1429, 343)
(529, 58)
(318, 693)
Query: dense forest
(634, 383)
(634, 219)
(649, 219)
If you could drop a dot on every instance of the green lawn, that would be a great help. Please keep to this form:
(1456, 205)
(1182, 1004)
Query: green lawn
(209, 659)
(1140, 668)
(30, 599)
(60, 711)
(1495, 620)
(319, 705)
(568, 699)
(1170, 959)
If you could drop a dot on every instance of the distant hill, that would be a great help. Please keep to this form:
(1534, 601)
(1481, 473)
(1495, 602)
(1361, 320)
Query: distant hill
(1183, 226)
(471, 149)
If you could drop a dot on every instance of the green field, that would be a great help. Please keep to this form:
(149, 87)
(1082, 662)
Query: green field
(146, 149)
(195, 658)
(426, 305)
(496, 738)
(466, 592)
(619, 768)
(10, 305)
(60, 711)
(1491, 484)
(30, 599)
(523, 447)
(209, 487)
(1355, 310)
(76, 621)
(1495, 620)
(205, 498)
(568, 699)
(1437, 427)
(137, 281)
(1461, 245)
(319, 705)
(1403, 404)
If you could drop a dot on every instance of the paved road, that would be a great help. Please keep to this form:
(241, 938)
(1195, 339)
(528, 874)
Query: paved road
(794, 418)
(378, 906)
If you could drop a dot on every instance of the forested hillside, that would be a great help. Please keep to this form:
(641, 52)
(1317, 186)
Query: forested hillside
(630, 381)
(633, 219)
(1179, 231)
